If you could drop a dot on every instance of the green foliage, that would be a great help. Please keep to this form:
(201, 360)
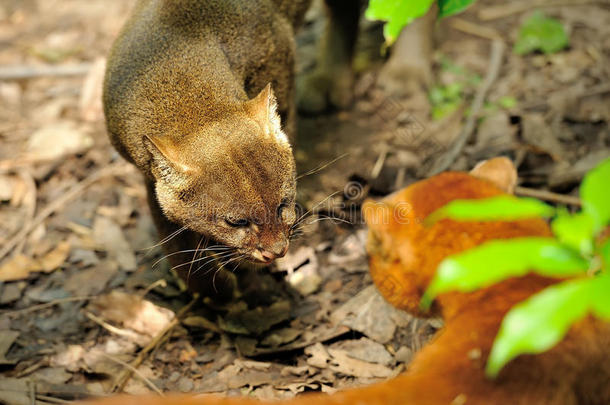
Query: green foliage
(399, 13)
(471, 270)
(542, 33)
(445, 99)
(507, 102)
(447, 8)
(501, 208)
(538, 323)
(595, 193)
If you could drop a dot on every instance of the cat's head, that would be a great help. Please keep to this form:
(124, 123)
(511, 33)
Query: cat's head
(233, 182)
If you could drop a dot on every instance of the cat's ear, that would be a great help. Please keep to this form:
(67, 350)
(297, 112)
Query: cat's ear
(500, 171)
(165, 157)
(263, 109)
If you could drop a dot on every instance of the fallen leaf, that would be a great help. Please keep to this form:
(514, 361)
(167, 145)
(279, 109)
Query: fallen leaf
(56, 140)
(366, 350)
(7, 338)
(133, 312)
(110, 237)
(370, 314)
(55, 258)
(537, 133)
(18, 267)
(342, 362)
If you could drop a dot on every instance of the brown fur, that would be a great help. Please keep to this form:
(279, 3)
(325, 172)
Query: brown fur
(187, 100)
(450, 370)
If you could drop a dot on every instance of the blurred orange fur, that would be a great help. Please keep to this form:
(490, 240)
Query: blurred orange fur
(404, 255)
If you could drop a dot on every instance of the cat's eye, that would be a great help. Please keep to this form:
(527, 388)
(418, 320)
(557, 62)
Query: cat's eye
(237, 223)
(280, 208)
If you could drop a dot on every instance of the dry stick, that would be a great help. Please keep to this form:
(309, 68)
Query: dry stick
(46, 305)
(20, 72)
(508, 9)
(27, 178)
(111, 328)
(548, 196)
(70, 194)
(136, 372)
(52, 399)
(497, 53)
(475, 29)
(126, 373)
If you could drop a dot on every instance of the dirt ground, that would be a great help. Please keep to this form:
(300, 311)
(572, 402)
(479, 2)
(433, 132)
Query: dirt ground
(84, 299)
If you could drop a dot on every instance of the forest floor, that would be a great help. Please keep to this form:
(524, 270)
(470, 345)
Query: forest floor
(82, 299)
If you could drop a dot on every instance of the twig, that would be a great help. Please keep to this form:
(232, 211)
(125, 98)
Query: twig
(508, 9)
(548, 196)
(475, 29)
(20, 72)
(40, 307)
(125, 375)
(379, 163)
(30, 201)
(70, 194)
(497, 53)
(52, 399)
(136, 372)
(111, 328)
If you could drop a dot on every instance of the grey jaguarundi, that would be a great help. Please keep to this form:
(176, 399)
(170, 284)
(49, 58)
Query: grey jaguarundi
(199, 96)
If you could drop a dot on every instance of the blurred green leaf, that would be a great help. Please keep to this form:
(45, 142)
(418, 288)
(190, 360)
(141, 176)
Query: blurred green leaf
(507, 102)
(397, 13)
(604, 252)
(601, 296)
(575, 231)
(538, 323)
(498, 260)
(595, 195)
(539, 32)
(501, 208)
(450, 7)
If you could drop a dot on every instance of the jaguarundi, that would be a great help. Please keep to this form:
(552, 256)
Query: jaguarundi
(199, 96)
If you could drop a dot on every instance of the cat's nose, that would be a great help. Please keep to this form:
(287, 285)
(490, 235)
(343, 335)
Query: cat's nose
(278, 250)
(268, 256)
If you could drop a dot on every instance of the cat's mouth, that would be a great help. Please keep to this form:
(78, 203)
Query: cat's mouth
(265, 256)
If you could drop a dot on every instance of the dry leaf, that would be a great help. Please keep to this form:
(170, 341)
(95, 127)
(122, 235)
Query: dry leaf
(109, 236)
(56, 140)
(133, 312)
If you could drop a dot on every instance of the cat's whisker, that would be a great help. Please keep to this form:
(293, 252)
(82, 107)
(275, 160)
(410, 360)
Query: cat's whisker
(188, 277)
(211, 248)
(321, 167)
(209, 258)
(166, 239)
(302, 217)
(225, 260)
(319, 219)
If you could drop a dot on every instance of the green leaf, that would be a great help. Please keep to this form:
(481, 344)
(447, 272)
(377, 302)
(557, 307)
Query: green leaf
(538, 323)
(575, 231)
(397, 13)
(604, 252)
(595, 195)
(450, 7)
(539, 32)
(501, 208)
(498, 260)
(507, 102)
(600, 301)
